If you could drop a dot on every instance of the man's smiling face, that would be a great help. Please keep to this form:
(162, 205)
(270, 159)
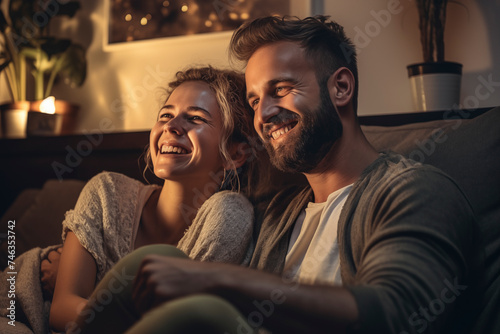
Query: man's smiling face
(294, 116)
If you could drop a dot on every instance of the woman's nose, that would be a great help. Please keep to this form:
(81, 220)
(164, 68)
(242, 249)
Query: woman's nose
(174, 126)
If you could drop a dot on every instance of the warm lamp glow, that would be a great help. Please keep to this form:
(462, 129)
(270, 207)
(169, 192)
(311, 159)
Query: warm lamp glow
(48, 105)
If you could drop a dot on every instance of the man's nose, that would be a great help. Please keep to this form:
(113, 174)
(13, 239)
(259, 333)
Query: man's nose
(268, 108)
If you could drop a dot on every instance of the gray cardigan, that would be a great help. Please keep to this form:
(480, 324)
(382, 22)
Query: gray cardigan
(408, 247)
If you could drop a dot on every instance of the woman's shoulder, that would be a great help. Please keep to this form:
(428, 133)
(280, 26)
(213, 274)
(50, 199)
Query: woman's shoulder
(229, 197)
(112, 182)
(225, 206)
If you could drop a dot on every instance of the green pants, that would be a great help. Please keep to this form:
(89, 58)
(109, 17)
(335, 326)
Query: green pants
(110, 308)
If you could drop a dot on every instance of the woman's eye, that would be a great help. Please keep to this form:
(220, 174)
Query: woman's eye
(197, 119)
(165, 116)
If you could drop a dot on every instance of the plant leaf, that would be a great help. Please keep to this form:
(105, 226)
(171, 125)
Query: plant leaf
(39, 59)
(3, 21)
(73, 66)
(21, 14)
(52, 46)
(68, 9)
(5, 61)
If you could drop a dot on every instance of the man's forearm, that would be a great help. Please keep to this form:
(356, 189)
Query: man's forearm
(283, 305)
(263, 298)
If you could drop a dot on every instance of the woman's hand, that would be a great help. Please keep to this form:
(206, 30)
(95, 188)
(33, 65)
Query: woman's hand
(48, 270)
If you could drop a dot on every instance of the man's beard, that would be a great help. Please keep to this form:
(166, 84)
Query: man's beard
(320, 129)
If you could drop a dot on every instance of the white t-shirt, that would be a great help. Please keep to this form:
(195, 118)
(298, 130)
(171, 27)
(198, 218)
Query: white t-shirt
(313, 252)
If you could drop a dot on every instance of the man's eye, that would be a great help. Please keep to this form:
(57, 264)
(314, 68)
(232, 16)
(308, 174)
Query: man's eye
(254, 103)
(281, 91)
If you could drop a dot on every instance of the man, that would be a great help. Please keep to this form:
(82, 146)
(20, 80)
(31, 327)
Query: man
(376, 243)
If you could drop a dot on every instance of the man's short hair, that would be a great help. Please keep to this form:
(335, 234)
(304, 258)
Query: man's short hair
(325, 43)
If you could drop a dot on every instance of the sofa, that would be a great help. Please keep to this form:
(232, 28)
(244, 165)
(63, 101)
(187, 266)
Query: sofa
(463, 143)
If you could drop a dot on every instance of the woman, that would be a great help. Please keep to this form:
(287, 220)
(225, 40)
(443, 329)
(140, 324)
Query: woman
(202, 133)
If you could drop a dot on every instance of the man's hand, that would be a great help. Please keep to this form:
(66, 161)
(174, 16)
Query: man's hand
(162, 278)
(48, 270)
(295, 308)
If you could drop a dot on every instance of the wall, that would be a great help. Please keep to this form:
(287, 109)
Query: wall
(125, 85)
(387, 38)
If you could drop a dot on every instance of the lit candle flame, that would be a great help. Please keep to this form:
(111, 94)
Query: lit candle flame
(48, 105)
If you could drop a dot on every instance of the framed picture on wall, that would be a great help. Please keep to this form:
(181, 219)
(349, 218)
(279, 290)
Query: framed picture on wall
(129, 21)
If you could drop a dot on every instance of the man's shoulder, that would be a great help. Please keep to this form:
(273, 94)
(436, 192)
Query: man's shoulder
(394, 176)
(391, 167)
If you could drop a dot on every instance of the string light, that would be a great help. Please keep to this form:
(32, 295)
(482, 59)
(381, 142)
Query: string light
(136, 23)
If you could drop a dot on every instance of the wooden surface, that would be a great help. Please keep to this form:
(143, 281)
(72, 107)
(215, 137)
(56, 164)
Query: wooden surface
(29, 162)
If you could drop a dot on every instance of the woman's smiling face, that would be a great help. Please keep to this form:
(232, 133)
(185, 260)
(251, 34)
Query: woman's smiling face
(185, 139)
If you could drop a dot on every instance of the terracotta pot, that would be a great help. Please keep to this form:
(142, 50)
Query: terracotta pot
(435, 86)
(25, 118)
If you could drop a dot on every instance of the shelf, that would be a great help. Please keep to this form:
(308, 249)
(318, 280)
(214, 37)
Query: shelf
(29, 162)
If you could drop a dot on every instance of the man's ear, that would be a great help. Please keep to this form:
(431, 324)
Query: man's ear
(341, 87)
(239, 153)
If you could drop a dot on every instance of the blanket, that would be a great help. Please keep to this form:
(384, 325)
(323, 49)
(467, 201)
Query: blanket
(221, 232)
(23, 308)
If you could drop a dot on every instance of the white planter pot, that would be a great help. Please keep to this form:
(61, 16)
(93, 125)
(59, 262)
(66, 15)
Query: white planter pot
(435, 86)
(24, 118)
(14, 119)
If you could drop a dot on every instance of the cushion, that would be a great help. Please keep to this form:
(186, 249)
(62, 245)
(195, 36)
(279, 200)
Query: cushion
(40, 223)
(469, 151)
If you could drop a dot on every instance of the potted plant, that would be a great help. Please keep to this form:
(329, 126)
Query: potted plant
(32, 60)
(435, 83)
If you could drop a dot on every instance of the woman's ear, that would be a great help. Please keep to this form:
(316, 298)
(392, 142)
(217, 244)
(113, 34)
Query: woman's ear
(341, 87)
(239, 153)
